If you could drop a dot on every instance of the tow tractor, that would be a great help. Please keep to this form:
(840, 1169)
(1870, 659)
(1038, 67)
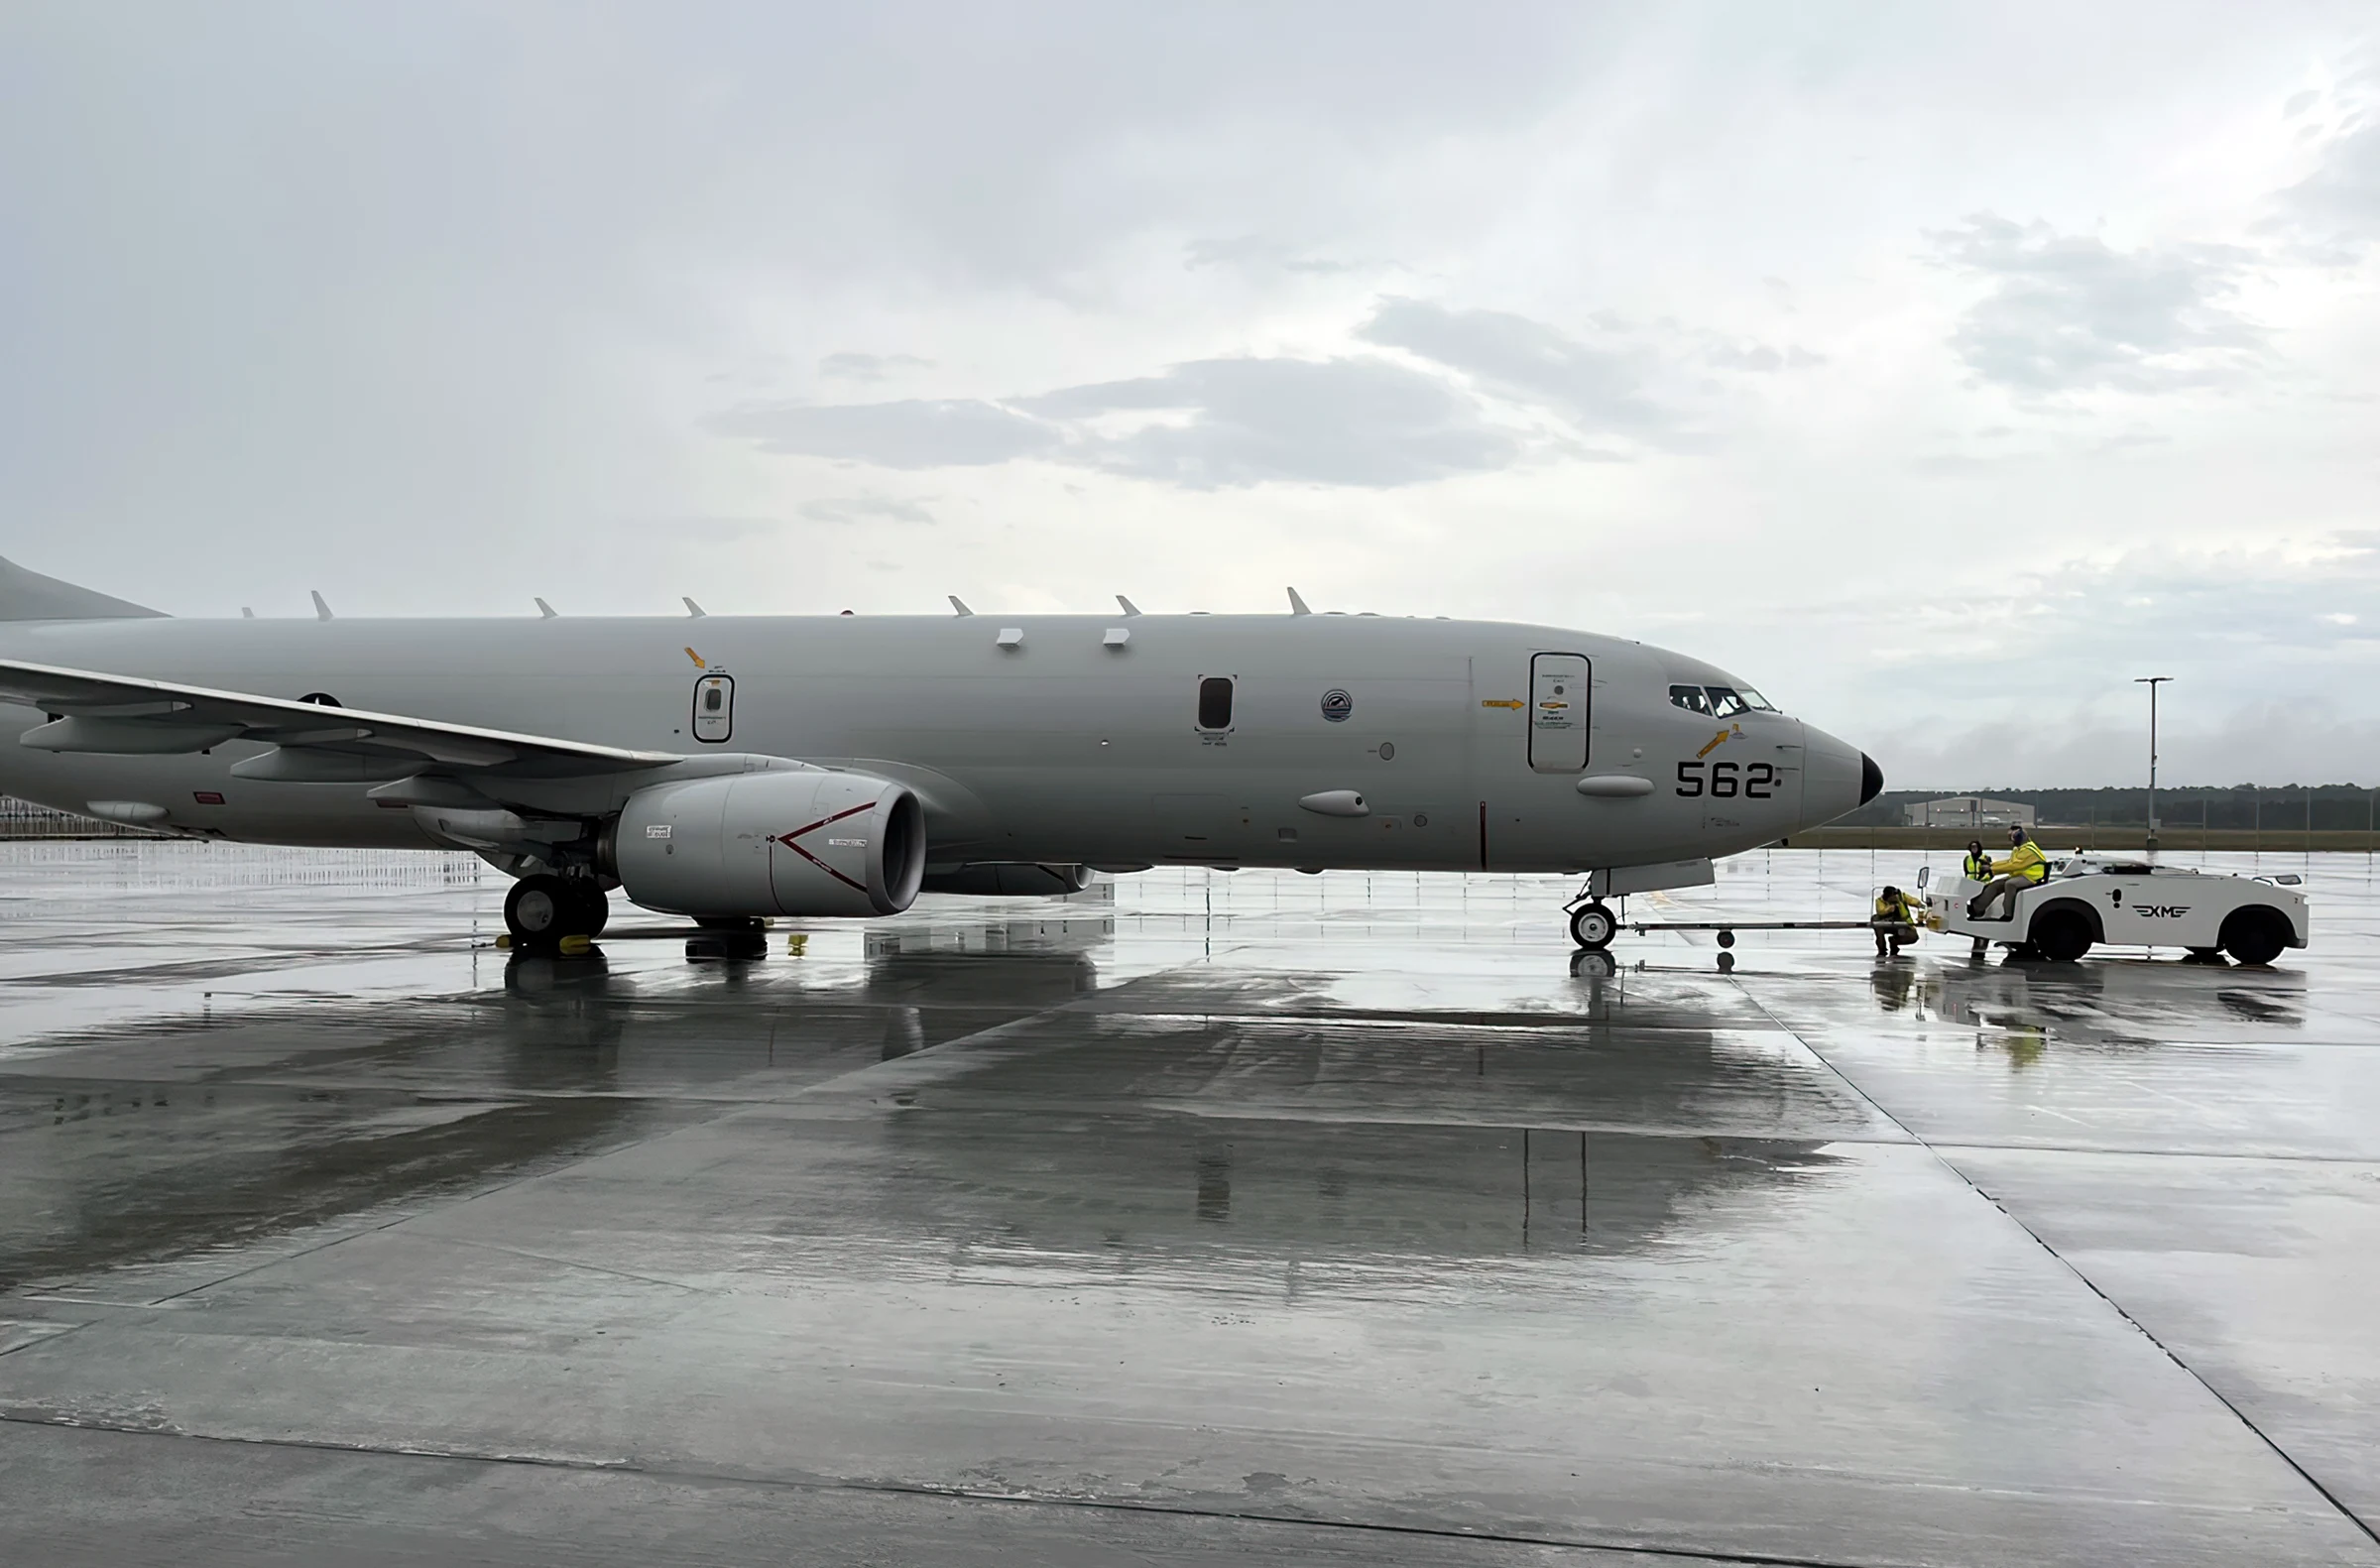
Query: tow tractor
(2091, 898)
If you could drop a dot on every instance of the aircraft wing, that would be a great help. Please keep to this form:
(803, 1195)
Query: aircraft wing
(126, 716)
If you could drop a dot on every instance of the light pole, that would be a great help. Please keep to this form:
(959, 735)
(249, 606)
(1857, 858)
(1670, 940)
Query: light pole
(2151, 682)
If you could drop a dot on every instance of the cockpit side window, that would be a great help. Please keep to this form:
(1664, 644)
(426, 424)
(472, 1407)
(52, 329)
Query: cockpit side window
(1753, 699)
(1691, 698)
(1725, 704)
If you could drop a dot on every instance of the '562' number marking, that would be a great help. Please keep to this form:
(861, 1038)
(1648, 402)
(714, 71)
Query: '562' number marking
(1755, 780)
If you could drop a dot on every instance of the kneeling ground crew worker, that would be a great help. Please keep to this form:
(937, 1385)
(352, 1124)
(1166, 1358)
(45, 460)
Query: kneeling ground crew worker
(2024, 867)
(1894, 922)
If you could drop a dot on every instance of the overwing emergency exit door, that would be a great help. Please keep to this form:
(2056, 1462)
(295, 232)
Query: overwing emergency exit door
(714, 708)
(1557, 712)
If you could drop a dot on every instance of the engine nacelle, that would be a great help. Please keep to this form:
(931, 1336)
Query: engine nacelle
(795, 841)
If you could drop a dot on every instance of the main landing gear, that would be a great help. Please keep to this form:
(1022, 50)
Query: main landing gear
(544, 911)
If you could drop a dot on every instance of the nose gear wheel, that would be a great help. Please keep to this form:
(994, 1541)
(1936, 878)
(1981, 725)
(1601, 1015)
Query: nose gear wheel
(1592, 925)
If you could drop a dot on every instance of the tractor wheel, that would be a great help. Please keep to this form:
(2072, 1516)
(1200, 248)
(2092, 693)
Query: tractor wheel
(2255, 935)
(2062, 935)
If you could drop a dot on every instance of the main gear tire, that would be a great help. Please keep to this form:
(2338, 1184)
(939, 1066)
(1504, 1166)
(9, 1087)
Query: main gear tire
(1593, 926)
(540, 911)
(594, 908)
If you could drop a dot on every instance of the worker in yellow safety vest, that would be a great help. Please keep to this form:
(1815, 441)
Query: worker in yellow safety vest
(1976, 867)
(2024, 867)
(1894, 922)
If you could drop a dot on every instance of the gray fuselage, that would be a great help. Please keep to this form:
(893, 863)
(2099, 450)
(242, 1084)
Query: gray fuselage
(1064, 747)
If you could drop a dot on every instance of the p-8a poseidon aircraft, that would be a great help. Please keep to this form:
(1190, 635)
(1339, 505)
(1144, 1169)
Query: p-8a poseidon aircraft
(731, 767)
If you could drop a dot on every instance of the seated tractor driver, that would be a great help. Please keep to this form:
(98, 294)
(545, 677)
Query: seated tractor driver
(1894, 922)
(2024, 867)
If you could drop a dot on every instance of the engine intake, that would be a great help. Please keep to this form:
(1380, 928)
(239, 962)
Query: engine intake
(797, 841)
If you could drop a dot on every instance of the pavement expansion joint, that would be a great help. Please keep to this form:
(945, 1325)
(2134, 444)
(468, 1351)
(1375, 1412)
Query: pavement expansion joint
(1027, 1500)
(2067, 1265)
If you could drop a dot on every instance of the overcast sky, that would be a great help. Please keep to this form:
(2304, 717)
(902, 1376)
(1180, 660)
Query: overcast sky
(1937, 368)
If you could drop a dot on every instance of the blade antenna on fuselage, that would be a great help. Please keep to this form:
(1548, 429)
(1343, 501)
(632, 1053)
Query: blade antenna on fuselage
(693, 611)
(321, 609)
(958, 604)
(545, 610)
(1130, 608)
(1297, 605)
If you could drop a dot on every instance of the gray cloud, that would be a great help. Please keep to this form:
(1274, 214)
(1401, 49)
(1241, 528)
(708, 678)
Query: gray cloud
(1334, 421)
(865, 508)
(2337, 206)
(2070, 314)
(1227, 423)
(1251, 251)
(1526, 361)
(1762, 358)
(710, 528)
(870, 367)
(914, 432)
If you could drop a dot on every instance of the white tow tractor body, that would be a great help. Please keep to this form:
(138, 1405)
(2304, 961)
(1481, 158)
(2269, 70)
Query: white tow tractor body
(2092, 899)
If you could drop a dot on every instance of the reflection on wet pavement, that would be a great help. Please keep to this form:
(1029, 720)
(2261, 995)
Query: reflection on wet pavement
(1197, 1218)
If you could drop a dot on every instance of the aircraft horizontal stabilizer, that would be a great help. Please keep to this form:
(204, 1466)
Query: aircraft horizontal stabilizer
(30, 596)
(124, 716)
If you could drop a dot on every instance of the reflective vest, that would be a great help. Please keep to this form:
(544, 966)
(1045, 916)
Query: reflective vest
(1896, 909)
(2026, 861)
(1977, 868)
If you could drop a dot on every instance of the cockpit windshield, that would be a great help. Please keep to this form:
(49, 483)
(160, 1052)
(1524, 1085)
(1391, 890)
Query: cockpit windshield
(1719, 703)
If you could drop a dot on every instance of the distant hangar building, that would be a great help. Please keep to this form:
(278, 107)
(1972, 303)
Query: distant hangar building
(1970, 811)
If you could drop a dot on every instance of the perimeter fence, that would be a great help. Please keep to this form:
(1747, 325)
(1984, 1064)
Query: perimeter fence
(24, 819)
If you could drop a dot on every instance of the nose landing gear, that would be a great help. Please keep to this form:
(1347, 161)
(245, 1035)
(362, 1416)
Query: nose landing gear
(1592, 925)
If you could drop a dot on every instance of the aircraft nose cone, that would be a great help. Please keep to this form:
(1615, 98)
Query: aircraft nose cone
(1871, 779)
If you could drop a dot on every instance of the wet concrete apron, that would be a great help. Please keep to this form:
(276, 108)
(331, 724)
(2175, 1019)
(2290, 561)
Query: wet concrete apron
(1245, 1218)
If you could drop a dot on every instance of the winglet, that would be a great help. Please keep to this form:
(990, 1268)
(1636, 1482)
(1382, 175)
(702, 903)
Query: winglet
(1297, 606)
(321, 609)
(693, 610)
(958, 604)
(545, 610)
(1130, 608)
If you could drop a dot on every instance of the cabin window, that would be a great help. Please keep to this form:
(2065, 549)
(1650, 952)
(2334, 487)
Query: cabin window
(1691, 698)
(1215, 702)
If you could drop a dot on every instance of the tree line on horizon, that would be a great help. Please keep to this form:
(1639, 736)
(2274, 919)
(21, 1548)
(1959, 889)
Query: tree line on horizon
(2334, 807)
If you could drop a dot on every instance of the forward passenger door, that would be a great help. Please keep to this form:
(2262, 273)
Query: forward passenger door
(1559, 687)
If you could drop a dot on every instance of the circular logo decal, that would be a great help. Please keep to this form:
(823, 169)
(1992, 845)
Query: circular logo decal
(1337, 705)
